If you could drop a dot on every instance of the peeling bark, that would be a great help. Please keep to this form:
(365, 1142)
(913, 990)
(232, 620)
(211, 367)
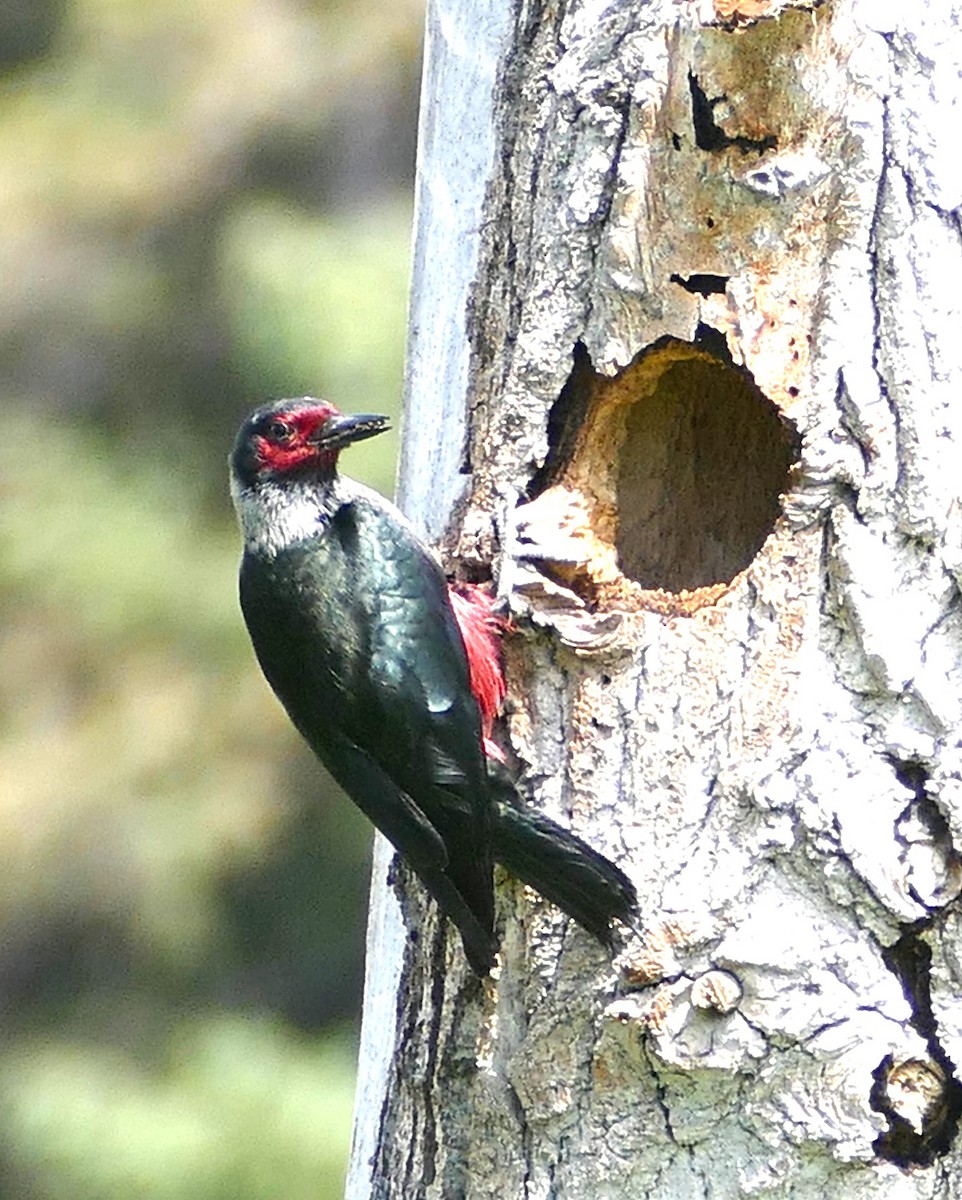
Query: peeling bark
(708, 432)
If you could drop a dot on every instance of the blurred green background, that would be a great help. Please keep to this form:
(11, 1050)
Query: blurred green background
(202, 203)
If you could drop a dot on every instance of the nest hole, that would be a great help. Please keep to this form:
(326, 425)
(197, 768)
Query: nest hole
(683, 460)
(702, 466)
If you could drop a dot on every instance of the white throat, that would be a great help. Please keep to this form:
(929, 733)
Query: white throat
(273, 517)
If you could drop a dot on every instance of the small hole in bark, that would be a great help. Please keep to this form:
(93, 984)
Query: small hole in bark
(705, 458)
(701, 284)
(907, 1141)
(709, 135)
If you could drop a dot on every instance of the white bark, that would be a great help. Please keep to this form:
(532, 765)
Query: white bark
(775, 759)
(455, 150)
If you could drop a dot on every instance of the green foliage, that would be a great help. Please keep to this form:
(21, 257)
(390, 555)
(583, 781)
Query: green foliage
(337, 323)
(181, 887)
(107, 544)
(237, 1108)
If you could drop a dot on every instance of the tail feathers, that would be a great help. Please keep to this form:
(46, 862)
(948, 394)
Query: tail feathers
(452, 861)
(563, 868)
(479, 944)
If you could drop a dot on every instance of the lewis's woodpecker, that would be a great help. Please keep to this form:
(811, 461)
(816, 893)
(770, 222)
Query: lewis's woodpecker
(392, 677)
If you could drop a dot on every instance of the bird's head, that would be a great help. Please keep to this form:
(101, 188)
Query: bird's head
(288, 440)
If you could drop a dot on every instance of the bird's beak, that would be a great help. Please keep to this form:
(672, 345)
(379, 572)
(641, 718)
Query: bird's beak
(341, 431)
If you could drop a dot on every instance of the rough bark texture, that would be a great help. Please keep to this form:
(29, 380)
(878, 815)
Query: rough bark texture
(718, 239)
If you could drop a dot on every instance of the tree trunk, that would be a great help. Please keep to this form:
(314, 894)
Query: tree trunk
(703, 405)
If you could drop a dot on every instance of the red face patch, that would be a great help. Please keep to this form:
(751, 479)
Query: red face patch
(285, 443)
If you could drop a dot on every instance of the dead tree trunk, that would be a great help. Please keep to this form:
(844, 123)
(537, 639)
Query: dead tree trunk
(685, 305)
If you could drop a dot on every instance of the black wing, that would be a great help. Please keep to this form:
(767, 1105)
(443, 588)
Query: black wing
(354, 631)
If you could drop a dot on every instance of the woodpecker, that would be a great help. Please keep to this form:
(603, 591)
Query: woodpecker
(394, 678)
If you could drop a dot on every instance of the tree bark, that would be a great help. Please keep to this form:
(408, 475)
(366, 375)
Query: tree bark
(685, 306)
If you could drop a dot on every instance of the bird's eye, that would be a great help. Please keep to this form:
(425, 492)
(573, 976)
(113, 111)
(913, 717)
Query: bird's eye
(279, 431)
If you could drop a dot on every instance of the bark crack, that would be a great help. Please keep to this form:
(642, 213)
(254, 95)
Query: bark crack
(910, 960)
(429, 1137)
(501, 284)
(609, 188)
(610, 184)
(851, 421)
(661, 1100)
(527, 1140)
(876, 237)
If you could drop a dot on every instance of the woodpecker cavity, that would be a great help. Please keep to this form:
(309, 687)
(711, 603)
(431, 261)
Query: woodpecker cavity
(393, 677)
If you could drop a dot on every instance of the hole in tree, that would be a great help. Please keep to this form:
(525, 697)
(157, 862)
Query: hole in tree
(935, 1124)
(701, 285)
(679, 462)
(703, 464)
(709, 135)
